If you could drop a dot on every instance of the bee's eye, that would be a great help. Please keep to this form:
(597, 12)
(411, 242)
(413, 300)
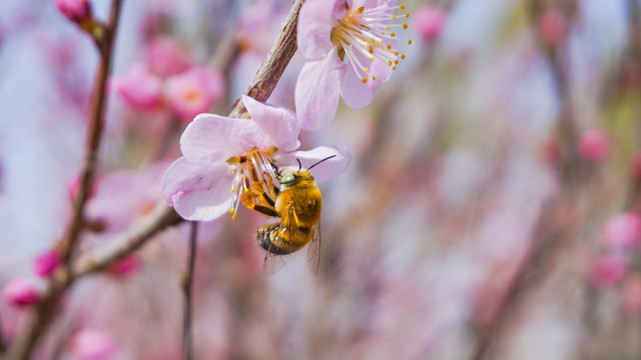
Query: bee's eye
(286, 179)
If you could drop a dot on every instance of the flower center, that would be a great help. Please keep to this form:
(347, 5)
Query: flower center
(365, 34)
(254, 178)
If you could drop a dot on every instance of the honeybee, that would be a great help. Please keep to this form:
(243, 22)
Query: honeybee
(298, 206)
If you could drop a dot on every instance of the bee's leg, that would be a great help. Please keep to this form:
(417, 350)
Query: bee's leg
(257, 199)
(265, 210)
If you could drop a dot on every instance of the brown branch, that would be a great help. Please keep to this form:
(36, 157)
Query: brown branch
(274, 65)
(188, 282)
(45, 311)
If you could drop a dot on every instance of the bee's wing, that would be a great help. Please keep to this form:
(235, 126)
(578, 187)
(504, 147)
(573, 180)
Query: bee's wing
(313, 249)
(274, 263)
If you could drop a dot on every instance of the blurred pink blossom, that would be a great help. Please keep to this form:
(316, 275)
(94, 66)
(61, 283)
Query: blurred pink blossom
(75, 10)
(92, 344)
(21, 292)
(126, 265)
(194, 91)
(220, 153)
(166, 56)
(552, 27)
(608, 270)
(428, 21)
(622, 230)
(594, 145)
(47, 262)
(341, 63)
(139, 88)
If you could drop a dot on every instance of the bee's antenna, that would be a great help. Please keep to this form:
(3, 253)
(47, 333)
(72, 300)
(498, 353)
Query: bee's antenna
(300, 166)
(319, 161)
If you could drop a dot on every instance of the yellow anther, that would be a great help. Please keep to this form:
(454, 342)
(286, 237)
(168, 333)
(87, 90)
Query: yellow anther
(392, 34)
(404, 26)
(407, 15)
(234, 216)
(402, 7)
(409, 42)
(394, 68)
(373, 77)
(372, 58)
(389, 63)
(371, 50)
(246, 190)
(387, 28)
(232, 210)
(389, 47)
(363, 80)
(233, 190)
(395, 62)
(403, 56)
(366, 70)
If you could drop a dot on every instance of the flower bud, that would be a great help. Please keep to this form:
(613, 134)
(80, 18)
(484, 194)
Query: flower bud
(429, 21)
(607, 271)
(46, 263)
(75, 10)
(552, 27)
(21, 292)
(594, 145)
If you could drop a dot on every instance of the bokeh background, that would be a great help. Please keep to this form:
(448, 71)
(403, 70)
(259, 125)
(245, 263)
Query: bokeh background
(490, 210)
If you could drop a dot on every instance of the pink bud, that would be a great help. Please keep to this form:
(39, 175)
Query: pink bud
(126, 265)
(166, 56)
(46, 263)
(194, 91)
(21, 292)
(622, 230)
(92, 344)
(632, 294)
(75, 10)
(552, 27)
(139, 88)
(428, 21)
(607, 271)
(594, 145)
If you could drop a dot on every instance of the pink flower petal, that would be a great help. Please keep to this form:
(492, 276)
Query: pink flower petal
(323, 171)
(194, 91)
(317, 92)
(139, 88)
(198, 192)
(212, 138)
(315, 24)
(166, 56)
(279, 125)
(357, 94)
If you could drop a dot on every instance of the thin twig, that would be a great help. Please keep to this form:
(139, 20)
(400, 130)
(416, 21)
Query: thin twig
(188, 284)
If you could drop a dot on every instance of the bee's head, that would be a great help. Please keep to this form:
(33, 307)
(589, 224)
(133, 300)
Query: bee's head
(290, 176)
